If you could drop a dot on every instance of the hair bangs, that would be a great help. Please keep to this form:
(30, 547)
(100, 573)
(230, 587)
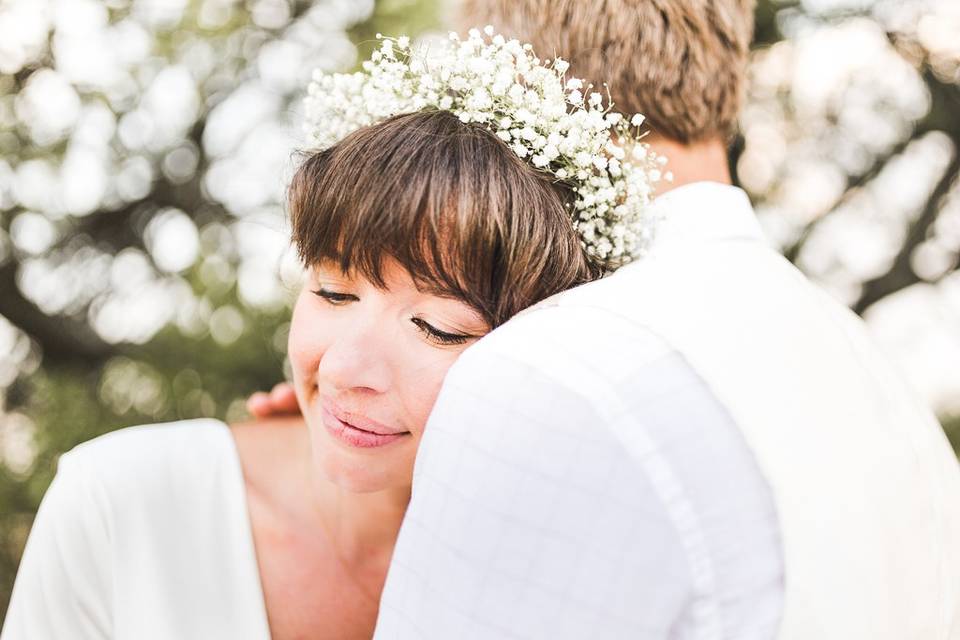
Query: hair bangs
(449, 202)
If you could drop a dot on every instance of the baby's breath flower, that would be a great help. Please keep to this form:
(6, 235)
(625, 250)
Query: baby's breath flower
(525, 115)
(499, 84)
(583, 159)
(613, 118)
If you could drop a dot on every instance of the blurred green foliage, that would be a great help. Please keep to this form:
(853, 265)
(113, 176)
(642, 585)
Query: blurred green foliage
(74, 386)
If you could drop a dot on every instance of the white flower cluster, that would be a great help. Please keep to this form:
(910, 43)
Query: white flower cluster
(557, 124)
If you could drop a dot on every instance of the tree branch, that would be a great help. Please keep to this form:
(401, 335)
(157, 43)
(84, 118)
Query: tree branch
(63, 340)
(854, 183)
(944, 105)
(900, 274)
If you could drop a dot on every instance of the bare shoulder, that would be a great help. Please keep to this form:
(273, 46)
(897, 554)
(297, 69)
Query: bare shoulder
(272, 451)
(264, 443)
(271, 435)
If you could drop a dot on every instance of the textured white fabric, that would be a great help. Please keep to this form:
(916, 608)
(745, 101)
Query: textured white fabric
(865, 487)
(144, 534)
(532, 517)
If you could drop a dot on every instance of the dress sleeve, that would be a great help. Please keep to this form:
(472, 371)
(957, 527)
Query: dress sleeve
(63, 587)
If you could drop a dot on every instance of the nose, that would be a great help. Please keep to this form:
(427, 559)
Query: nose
(358, 359)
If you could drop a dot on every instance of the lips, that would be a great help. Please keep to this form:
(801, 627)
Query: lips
(356, 430)
(359, 421)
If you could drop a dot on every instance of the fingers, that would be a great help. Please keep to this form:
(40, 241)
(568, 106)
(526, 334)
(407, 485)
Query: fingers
(282, 400)
(259, 405)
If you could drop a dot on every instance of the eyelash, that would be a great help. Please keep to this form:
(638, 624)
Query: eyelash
(432, 334)
(333, 297)
(440, 337)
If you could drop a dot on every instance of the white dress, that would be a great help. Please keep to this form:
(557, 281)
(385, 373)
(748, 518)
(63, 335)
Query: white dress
(143, 534)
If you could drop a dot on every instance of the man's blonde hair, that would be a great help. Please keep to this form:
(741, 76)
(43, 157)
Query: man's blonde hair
(681, 63)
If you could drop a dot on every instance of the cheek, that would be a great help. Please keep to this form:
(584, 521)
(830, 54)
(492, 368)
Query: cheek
(422, 390)
(305, 344)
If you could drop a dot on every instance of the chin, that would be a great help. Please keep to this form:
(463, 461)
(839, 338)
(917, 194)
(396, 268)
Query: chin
(363, 470)
(360, 476)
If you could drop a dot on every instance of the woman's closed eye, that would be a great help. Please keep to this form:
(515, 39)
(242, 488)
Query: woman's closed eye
(430, 332)
(335, 297)
(437, 336)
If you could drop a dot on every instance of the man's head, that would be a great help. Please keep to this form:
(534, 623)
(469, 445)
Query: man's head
(681, 63)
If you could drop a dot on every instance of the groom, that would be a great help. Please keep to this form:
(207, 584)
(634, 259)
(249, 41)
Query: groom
(702, 445)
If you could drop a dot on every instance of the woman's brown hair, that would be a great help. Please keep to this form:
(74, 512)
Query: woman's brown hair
(450, 202)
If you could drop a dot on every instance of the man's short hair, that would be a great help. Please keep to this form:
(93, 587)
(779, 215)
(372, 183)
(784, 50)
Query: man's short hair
(681, 63)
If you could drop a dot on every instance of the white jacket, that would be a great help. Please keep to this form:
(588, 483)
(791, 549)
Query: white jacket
(865, 487)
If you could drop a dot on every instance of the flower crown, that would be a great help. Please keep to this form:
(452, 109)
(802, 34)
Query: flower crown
(543, 117)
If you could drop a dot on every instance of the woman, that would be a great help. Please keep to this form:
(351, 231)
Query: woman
(420, 233)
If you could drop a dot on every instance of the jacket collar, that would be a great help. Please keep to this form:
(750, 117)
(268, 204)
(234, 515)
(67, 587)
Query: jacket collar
(703, 212)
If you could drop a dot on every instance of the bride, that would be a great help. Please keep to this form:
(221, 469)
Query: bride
(444, 197)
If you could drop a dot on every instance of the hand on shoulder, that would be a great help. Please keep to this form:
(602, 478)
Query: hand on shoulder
(281, 400)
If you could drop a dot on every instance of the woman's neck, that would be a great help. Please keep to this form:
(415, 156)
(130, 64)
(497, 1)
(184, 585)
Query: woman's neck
(362, 527)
